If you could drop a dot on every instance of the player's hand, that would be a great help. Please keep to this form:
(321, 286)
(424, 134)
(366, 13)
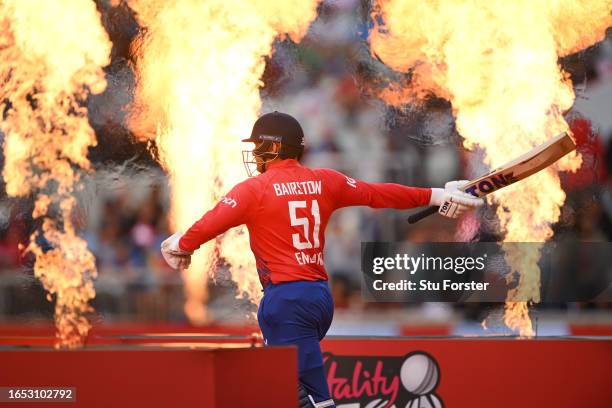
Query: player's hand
(175, 256)
(452, 201)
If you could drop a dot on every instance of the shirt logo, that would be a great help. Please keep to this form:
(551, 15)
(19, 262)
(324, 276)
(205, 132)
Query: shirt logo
(229, 201)
(351, 182)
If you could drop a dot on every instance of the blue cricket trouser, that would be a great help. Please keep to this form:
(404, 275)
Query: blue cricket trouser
(299, 313)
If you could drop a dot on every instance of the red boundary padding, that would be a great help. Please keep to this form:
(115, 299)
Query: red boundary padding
(151, 378)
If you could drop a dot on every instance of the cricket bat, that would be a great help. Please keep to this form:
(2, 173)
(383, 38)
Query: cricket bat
(518, 169)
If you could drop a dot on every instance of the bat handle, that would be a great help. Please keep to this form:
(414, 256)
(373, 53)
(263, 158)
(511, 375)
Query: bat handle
(422, 214)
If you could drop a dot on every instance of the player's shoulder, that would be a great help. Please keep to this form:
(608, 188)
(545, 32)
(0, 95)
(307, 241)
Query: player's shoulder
(335, 176)
(249, 185)
(258, 185)
(327, 173)
(335, 179)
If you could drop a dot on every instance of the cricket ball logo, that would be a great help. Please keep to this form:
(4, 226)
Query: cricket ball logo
(409, 381)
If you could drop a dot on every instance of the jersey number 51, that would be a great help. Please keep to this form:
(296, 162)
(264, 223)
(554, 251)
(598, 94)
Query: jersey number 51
(304, 222)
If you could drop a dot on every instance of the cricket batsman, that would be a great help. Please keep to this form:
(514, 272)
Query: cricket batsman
(286, 208)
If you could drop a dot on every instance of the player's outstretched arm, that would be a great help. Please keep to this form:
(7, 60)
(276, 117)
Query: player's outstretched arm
(232, 210)
(346, 192)
(351, 192)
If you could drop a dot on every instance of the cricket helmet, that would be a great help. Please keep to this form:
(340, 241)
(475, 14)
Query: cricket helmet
(270, 128)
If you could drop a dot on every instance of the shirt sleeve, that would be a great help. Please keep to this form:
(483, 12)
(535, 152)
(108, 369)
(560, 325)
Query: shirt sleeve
(347, 192)
(232, 210)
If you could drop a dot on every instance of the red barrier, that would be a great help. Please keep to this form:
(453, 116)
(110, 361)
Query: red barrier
(124, 328)
(404, 372)
(140, 377)
(590, 329)
(463, 372)
(134, 333)
(443, 329)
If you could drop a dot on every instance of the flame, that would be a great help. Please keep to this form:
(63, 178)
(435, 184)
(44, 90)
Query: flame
(198, 67)
(51, 54)
(497, 62)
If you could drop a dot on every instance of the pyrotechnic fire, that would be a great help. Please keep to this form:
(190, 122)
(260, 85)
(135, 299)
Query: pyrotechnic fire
(198, 68)
(51, 54)
(497, 63)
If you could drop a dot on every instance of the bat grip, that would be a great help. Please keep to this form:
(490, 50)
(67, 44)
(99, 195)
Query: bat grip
(422, 214)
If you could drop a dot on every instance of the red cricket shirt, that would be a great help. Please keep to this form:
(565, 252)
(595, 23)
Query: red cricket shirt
(286, 210)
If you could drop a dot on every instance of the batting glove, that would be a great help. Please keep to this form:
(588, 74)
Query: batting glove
(452, 200)
(175, 256)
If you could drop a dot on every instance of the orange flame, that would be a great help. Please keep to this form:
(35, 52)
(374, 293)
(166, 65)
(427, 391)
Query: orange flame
(51, 56)
(199, 67)
(497, 62)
